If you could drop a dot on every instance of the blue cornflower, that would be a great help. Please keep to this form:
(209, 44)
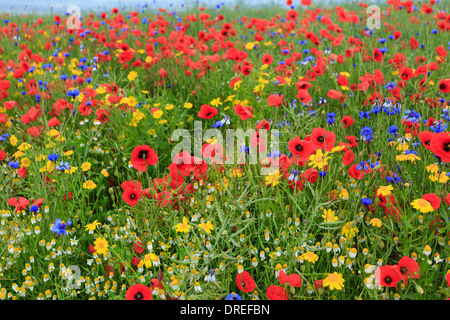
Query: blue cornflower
(53, 157)
(13, 164)
(275, 153)
(366, 133)
(395, 178)
(233, 296)
(34, 208)
(59, 227)
(363, 114)
(393, 130)
(63, 166)
(331, 117)
(366, 201)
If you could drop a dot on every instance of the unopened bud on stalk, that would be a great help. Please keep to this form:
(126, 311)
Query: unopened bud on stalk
(111, 192)
(419, 289)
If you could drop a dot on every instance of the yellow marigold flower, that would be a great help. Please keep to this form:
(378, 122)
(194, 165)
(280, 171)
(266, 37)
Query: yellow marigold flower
(319, 159)
(423, 205)
(92, 226)
(375, 222)
(184, 226)
(13, 140)
(216, 102)
(89, 185)
(236, 173)
(68, 153)
(385, 190)
(101, 246)
(329, 216)
(105, 173)
(412, 157)
(433, 168)
(24, 146)
(132, 75)
(349, 231)
(25, 162)
(207, 226)
(188, 105)
(439, 177)
(272, 179)
(157, 113)
(86, 166)
(309, 256)
(402, 147)
(343, 194)
(71, 170)
(334, 281)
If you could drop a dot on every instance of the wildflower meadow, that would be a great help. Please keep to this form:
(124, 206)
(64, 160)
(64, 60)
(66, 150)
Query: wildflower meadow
(294, 150)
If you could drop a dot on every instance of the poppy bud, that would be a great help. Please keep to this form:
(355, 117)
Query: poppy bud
(111, 192)
(292, 289)
(362, 153)
(377, 201)
(419, 289)
(380, 244)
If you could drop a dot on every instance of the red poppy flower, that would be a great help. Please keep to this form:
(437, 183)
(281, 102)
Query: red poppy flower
(408, 267)
(131, 184)
(291, 15)
(294, 279)
(323, 138)
(135, 261)
(276, 293)
(207, 112)
(300, 149)
(138, 292)
(22, 172)
(275, 100)
(263, 124)
(440, 146)
(433, 199)
(348, 157)
(131, 196)
(426, 137)
(352, 141)
(377, 55)
(310, 174)
(143, 156)
(303, 96)
(138, 247)
(387, 276)
(53, 122)
(318, 284)
(267, 59)
(347, 121)
(406, 73)
(245, 282)
(243, 112)
(355, 173)
(444, 85)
